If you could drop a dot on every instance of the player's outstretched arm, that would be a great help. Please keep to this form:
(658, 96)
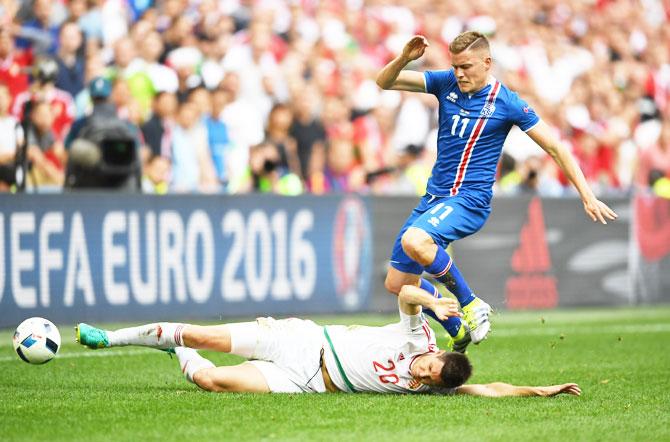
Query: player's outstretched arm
(411, 298)
(392, 75)
(500, 389)
(597, 210)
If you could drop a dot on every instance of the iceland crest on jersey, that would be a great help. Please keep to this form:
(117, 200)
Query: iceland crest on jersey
(487, 110)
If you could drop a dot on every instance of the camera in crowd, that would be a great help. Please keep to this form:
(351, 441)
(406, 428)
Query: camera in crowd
(104, 153)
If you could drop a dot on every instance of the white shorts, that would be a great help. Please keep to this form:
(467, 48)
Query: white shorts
(286, 351)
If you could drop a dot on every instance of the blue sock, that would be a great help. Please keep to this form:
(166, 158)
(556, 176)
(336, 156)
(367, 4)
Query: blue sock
(451, 324)
(444, 270)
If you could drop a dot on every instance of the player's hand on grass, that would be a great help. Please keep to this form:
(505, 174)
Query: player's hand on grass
(446, 307)
(598, 211)
(553, 390)
(415, 47)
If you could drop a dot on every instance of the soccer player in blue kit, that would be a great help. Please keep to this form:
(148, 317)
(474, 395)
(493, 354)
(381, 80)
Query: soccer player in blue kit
(476, 112)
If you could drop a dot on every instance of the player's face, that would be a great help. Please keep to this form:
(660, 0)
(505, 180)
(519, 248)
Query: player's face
(471, 68)
(426, 369)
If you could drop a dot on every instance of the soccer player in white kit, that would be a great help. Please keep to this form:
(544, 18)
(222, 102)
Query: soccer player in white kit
(299, 356)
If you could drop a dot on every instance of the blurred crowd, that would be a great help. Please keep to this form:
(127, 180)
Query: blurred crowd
(235, 96)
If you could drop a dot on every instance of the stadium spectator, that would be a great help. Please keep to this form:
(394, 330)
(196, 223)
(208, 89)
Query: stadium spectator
(13, 64)
(254, 59)
(596, 161)
(70, 59)
(337, 118)
(45, 153)
(89, 19)
(509, 178)
(412, 123)
(266, 173)
(157, 131)
(307, 130)
(124, 55)
(211, 105)
(137, 88)
(39, 33)
(76, 9)
(410, 174)
(99, 90)
(374, 130)
(163, 78)
(145, 76)
(341, 172)
(655, 158)
(9, 141)
(278, 133)
(127, 106)
(82, 101)
(245, 125)
(192, 168)
(214, 50)
(44, 89)
(179, 33)
(156, 175)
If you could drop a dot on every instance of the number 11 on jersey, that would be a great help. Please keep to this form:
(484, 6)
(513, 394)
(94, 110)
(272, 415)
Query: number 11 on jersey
(464, 125)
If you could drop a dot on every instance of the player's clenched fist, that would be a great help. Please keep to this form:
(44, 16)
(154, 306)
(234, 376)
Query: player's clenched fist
(415, 47)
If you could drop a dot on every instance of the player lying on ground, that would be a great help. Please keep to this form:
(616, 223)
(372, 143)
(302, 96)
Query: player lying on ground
(294, 355)
(476, 112)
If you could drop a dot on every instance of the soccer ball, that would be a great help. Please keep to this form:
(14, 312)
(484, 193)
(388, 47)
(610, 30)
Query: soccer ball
(36, 340)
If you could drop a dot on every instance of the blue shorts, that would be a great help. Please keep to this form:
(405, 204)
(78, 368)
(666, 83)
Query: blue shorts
(445, 219)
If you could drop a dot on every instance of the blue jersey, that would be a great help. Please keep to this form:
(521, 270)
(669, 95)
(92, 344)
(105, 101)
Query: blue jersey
(472, 130)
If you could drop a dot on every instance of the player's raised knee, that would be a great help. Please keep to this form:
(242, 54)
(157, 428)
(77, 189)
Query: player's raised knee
(204, 379)
(414, 239)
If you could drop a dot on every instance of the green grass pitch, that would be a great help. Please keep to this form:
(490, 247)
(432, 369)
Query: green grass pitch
(620, 358)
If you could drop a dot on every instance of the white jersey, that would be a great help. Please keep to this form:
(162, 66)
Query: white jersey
(378, 359)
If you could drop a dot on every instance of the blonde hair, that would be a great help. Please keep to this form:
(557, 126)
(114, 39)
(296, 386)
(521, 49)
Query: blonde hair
(469, 40)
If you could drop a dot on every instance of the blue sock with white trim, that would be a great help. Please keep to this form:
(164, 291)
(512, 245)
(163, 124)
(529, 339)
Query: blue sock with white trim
(451, 324)
(444, 270)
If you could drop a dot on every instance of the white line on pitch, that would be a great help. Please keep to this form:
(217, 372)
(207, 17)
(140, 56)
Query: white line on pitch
(580, 330)
(91, 354)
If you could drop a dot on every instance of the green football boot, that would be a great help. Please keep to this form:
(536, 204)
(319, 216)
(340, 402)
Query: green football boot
(460, 342)
(90, 336)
